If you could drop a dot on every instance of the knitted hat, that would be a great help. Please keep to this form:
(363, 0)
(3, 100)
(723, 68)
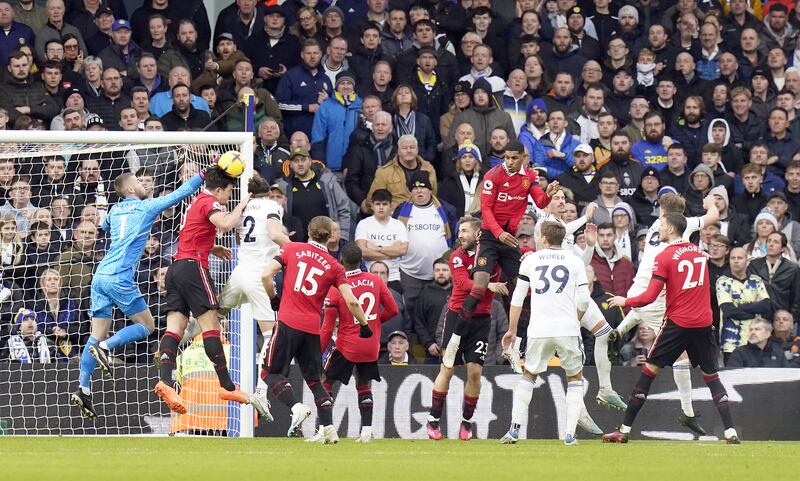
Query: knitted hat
(766, 214)
(667, 189)
(420, 178)
(722, 192)
(629, 10)
(626, 208)
(333, 9)
(463, 87)
(74, 90)
(469, 148)
(482, 84)
(23, 314)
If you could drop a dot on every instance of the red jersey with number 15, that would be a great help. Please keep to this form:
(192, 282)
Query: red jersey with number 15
(198, 233)
(309, 272)
(684, 269)
(504, 198)
(371, 293)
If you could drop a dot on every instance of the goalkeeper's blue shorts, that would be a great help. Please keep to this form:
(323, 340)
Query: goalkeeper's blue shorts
(110, 291)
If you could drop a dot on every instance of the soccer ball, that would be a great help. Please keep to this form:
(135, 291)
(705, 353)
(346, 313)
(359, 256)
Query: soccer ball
(232, 163)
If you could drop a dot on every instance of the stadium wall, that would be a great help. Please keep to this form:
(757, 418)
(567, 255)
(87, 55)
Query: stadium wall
(764, 402)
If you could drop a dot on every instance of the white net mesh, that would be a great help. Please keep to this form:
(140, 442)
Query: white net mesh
(56, 197)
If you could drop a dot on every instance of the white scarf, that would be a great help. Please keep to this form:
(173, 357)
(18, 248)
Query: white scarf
(18, 350)
(469, 187)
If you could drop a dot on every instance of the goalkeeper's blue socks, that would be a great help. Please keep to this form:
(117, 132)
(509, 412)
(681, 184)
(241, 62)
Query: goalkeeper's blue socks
(88, 363)
(126, 335)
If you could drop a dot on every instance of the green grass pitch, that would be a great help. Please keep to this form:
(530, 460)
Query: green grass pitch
(194, 459)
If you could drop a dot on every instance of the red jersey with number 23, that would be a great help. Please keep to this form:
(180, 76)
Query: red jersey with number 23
(198, 233)
(461, 263)
(309, 272)
(371, 293)
(684, 269)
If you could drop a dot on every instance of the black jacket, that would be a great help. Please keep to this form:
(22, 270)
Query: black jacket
(783, 288)
(646, 211)
(197, 120)
(285, 52)
(361, 163)
(426, 311)
(750, 204)
(679, 182)
(14, 93)
(739, 228)
(175, 12)
(108, 109)
(362, 61)
(584, 192)
(745, 134)
(451, 191)
(629, 174)
(750, 355)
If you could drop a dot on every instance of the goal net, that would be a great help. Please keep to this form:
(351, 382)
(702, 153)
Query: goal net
(58, 188)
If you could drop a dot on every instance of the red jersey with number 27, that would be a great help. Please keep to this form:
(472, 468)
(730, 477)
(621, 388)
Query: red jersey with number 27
(684, 269)
(371, 293)
(309, 272)
(198, 233)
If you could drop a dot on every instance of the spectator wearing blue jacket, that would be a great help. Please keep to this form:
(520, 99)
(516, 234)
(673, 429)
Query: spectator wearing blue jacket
(299, 90)
(15, 33)
(554, 150)
(336, 119)
(161, 103)
(650, 151)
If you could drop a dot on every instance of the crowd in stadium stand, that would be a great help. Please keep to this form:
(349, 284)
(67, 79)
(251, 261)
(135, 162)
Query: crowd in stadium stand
(385, 116)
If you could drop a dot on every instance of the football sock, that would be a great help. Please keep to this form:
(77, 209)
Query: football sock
(517, 343)
(365, 403)
(213, 347)
(126, 335)
(683, 379)
(323, 401)
(601, 357)
(631, 320)
(437, 404)
(168, 350)
(574, 405)
(280, 388)
(469, 407)
(88, 363)
(720, 397)
(639, 395)
(522, 399)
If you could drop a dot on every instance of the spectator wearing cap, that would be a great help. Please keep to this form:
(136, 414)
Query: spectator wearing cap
(15, 32)
(461, 189)
(624, 219)
(397, 350)
(484, 116)
(645, 200)
(613, 270)
(240, 19)
(734, 225)
(462, 99)
(122, 54)
(383, 238)
(779, 206)
(27, 344)
(761, 349)
(763, 93)
(408, 121)
(312, 190)
(555, 149)
(367, 53)
(54, 29)
(336, 119)
(333, 23)
(365, 156)
(304, 87)
(112, 100)
(20, 94)
(582, 179)
(764, 225)
(173, 11)
(430, 224)
(73, 99)
(536, 125)
(588, 46)
(103, 21)
(433, 95)
(272, 49)
(187, 52)
(184, 116)
(395, 176)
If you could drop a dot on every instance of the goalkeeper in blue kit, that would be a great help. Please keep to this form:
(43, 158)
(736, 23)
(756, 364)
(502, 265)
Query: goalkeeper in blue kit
(128, 224)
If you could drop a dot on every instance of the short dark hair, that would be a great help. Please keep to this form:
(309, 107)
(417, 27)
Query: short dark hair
(621, 133)
(139, 89)
(678, 221)
(605, 225)
(382, 195)
(784, 240)
(257, 185)
(441, 260)
(177, 86)
(144, 172)
(218, 179)
(351, 256)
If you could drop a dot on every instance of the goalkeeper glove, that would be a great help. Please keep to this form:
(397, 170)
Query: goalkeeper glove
(213, 164)
(365, 332)
(275, 303)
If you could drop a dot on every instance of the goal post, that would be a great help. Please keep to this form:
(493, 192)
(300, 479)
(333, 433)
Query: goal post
(168, 157)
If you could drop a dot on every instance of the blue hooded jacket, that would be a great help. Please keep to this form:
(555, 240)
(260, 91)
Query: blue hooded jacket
(333, 124)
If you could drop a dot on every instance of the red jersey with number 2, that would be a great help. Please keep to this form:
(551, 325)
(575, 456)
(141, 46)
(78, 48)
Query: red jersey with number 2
(309, 272)
(371, 293)
(684, 269)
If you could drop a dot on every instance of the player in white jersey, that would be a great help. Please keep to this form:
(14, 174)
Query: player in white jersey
(592, 320)
(260, 235)
(652, 315)
(559, 296)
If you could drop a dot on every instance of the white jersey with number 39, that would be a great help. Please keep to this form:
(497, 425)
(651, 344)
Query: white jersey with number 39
(556, 276)
(256, 249)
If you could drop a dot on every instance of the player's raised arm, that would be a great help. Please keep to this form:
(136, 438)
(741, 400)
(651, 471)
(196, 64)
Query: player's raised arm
(330, 315)
(712, 213)
(225, 221)
(276, 232)
(488, 198)
(541, 197)
(159, 204)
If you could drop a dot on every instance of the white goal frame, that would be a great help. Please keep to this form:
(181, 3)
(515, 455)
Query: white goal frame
(246, 359)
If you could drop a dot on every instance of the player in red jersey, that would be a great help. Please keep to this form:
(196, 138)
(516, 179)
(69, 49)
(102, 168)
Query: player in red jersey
(472, 350)
(190, 289)
(351, 351)
(504, 199)
(687, 325)
(309, 273)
